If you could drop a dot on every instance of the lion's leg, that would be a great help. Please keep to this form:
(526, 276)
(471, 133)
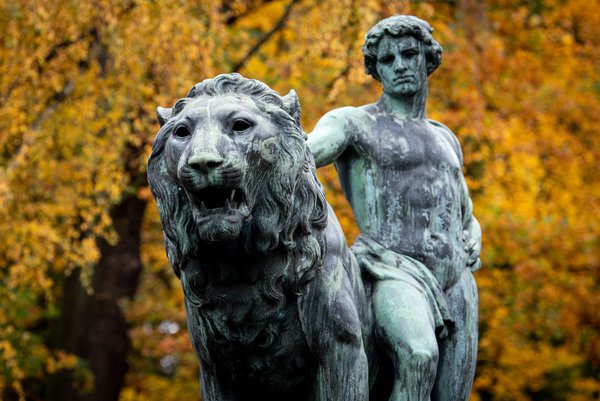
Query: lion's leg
(458, 352)
(343, 374)
(405, 327)
(334, 333)
(211, 387)
(343, 366)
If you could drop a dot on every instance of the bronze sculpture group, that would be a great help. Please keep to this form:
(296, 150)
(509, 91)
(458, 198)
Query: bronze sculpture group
(278, 307)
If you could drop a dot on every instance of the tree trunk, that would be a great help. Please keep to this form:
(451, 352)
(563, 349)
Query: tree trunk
(94, 326)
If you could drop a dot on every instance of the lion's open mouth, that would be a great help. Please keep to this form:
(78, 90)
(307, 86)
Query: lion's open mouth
(219, 200)
(219, 213)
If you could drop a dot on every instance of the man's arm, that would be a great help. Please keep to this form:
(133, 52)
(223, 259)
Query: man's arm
(332, 135)
(471, 227)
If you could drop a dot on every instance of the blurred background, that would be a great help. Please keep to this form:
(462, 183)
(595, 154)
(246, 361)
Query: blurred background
(89, 307)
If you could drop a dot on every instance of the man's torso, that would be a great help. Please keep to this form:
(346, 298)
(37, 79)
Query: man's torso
(403, 181)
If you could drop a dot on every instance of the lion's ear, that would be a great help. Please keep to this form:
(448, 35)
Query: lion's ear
(163, 115)
(291, 104)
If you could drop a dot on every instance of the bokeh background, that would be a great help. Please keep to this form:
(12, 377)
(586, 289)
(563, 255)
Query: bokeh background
(89, 307)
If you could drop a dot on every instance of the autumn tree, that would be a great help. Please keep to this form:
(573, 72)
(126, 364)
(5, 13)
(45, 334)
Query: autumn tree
(79, 86)
(90, 308)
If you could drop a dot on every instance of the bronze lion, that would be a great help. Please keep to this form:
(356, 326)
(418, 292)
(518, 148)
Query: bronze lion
(276, 306)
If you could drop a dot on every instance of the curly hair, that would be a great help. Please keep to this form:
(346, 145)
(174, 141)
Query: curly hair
(396, 26)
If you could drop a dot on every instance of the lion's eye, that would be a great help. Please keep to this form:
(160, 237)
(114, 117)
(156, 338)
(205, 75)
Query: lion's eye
(241, 125)
(182, 132)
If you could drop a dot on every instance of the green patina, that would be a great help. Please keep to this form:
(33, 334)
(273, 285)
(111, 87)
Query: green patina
(278, 307)
(419, 241)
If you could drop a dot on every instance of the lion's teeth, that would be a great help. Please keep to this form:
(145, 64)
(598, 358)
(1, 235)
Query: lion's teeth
(203, 207)
(232, 195)
(227, 204)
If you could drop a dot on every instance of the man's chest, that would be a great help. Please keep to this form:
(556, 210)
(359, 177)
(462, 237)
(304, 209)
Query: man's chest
(406, 145)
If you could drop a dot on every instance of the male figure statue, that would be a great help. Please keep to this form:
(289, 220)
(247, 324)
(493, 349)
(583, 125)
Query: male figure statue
(419, 241)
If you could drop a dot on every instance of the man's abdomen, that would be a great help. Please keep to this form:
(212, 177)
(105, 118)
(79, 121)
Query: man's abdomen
(420, 216)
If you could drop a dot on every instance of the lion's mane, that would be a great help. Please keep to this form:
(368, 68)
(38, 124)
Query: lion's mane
(292, 212)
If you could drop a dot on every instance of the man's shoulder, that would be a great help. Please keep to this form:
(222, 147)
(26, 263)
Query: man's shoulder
(370, 109)
(449, 136)
(350, 113)
(353, 120)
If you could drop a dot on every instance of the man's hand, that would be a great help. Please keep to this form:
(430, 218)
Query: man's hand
(472, 248)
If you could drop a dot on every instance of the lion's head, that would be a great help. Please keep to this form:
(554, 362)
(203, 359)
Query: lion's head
(230, 164)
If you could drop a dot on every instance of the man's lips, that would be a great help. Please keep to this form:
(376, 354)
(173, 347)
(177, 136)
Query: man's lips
(403, 79)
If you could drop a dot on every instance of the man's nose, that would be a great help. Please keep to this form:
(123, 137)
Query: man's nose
(399, 64)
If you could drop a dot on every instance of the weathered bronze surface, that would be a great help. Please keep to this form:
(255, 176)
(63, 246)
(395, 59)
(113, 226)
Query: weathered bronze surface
(278, 307)
(419, 241)
(275, 303)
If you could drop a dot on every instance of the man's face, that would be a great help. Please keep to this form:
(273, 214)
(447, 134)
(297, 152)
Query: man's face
(401, 65)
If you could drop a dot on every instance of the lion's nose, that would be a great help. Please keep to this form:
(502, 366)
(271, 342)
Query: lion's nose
(205, 161)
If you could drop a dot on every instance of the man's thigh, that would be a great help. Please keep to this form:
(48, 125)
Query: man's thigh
(403, 318)
(458, 351)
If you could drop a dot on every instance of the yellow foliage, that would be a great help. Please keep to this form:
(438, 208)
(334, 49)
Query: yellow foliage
(519, 85)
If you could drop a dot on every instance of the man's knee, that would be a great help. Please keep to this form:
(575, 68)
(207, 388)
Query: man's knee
(418, 354)
(422, 358)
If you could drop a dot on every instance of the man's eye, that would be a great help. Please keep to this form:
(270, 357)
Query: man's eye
(410, 53)
(386, 59)
(241, 126)
(182, 132)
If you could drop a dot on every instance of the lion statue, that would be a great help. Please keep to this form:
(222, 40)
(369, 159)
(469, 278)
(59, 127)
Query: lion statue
(276, 306)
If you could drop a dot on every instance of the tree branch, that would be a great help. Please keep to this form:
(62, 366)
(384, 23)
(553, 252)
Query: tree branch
(57, 47)
(278, 26)
(54, 50)
(232, 19)
(352, 26)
